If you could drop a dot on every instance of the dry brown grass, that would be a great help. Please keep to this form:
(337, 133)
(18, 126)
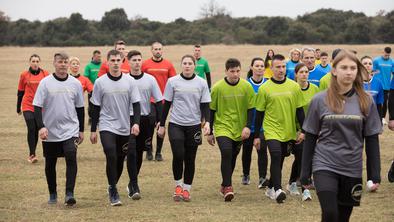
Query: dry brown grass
(23, 188)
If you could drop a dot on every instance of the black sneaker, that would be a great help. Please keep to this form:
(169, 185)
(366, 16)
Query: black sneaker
(69, 200)
(390, 174)
(263, 183)
(149, 155)
(134, 191)
(114, 196)
(245, 180)
(158, 157)
(52, 198)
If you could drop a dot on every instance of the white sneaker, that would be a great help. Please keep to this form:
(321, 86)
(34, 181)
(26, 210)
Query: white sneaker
(306, 195)
(280, 196)
(384, 122)
(293, 189)
(371, 187)
(270, 192)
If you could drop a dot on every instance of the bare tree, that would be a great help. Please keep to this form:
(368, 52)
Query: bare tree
(211, 9)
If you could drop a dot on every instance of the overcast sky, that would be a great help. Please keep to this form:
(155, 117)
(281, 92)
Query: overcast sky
(169, 10)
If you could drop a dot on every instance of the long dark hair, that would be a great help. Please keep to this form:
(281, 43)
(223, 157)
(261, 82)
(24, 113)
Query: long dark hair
(268, 58)
(250, 72)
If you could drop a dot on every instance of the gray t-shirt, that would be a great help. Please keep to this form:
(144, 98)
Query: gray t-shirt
(115, 99)
(186, 97)
(148, 88)
(58, 100)
(340, 142)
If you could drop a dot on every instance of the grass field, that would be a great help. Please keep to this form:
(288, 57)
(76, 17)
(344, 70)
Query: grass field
(23, 188)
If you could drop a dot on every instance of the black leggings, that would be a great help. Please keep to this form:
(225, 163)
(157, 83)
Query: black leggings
(159, 140)
(229, 150)
(184, 142)
(296, 166)
(277, 151)
(262, 158)
(115, 148)
(144, 139)
(69, 151)
(32, 131)
(386, 99)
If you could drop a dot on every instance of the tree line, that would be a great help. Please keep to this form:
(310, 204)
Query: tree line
(324, 26)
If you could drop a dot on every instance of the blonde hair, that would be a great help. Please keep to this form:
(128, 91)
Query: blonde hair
(334, 99)
(294, 50)
(74, 59)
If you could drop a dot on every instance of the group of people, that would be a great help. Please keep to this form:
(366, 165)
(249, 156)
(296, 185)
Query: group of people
(321, 113)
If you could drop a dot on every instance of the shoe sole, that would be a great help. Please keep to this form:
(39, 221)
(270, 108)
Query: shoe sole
(281, 198)
(135, 196)
(52, 202)
(228, 196)
(177, 198)
(307, 199)
(70, 202)
(186, 199)
(116, 204)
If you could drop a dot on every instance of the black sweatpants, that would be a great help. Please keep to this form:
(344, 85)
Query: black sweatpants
(184, 142)
(278, 152)
(32, 131)
(53, 150)
(337, 195)
(229, 150)
(159, 140)
(262, 158)
(144, 139)
(386, 99)
(296, 166)
(115, 148)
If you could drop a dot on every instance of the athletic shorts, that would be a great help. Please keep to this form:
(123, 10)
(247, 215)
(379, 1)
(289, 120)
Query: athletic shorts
(348, 189)
(57, 149)
(191, 134)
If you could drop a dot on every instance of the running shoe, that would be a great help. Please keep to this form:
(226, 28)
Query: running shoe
(245, 180)
(263, 183)
(178, 193)
(270, 192)
(186, 196)
(280, 196)
(133, 191)
(158, 157)
(306, 195)
(293, 189)
(114, 198)
(69, 200)
(52, 198)
(228, 193)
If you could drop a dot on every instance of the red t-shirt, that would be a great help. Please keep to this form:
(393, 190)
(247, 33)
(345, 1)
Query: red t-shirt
(29, 83)
(86, 84)
(104, 69)
(162, 71)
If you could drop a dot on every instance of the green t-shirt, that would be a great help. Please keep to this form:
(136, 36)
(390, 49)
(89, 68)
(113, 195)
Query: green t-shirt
(202, 67)
(325, 81)
(231, 103)
(308, 93)
(279, 102)
(91, 71)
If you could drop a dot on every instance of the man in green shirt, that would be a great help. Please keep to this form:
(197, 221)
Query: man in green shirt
(91, 71)
(231, 117)
(326, 79)
(278, 102)
(202, 67)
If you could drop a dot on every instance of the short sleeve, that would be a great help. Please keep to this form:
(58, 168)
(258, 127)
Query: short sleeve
(312, 123)
(261, 99)
(22, 82)
(214, 97)
(206, 68)
(39, 96)
(375, 65)
(251, 96)
(300, 100)
(372, 124)
(97, 94)
(205, 96)
(89, 86)
(169, 91)
(87, 71)
(380, 96)
(171, 71)
(134, 92)
(79, 96)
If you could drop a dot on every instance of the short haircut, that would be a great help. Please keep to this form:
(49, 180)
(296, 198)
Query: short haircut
(278, 57)
(335, 53)
(232, 63)
(119, 42)
(365, 57)
(197, 46)
(73, 58)
(36, 56)
(133, 53)
(307, 49)
(96, 52)
(317, 50)
(387, 50)
(113, 52)
(154, 43)
(324, 54)
(189, 56)
(60, 55)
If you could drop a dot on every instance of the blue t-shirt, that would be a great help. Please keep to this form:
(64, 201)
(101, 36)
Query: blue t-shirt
(375, 88)
(384, 68)
(256, 87)
(326, 69)
(392, 82)
(315, 75)
(290, 66)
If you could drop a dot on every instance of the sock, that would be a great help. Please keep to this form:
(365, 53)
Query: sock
(179, 182)
(187, 187)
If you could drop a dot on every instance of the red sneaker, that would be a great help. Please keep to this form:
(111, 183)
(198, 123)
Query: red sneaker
(221, 190)
(228, 193)
(186, 196)
(178, 193)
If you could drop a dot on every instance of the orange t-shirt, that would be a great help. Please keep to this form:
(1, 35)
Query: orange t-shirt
(29, 83)
(162, 71)
(85, 82)
(104, 69)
